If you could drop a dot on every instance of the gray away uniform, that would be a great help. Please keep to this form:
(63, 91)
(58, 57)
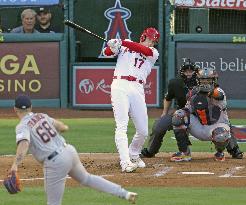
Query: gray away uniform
(206, 114)
(58, 158)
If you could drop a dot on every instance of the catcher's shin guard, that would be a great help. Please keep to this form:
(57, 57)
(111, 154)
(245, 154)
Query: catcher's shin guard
(235, 153)
(233, 148)
(220, 138)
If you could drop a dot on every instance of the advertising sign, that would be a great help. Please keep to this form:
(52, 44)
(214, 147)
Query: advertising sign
(222, 4)
(30, 68)
(27, 2)
(227, 59)
(91, 86)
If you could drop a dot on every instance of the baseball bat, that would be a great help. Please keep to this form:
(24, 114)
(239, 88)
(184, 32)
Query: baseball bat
(82, 29)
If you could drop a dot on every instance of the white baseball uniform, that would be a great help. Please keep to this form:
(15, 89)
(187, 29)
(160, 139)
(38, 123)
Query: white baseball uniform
(127, 96)
(58, 158)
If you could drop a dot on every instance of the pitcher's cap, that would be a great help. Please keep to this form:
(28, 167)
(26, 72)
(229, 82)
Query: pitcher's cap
(23, 102)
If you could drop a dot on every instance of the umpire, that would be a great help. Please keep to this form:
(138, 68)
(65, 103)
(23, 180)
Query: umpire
(178, 88)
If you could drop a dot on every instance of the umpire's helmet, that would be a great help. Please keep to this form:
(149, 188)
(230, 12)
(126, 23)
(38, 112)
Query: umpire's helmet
(190, 81)
(207, 79)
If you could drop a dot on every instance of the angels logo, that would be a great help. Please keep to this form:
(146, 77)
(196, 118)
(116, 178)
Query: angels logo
(86, 86)
(185, 2)
(117, 27)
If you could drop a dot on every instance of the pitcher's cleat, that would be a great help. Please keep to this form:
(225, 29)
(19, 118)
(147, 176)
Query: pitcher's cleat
(131, 197)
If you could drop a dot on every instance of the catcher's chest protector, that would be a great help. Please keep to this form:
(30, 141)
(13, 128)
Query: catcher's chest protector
(206, 111)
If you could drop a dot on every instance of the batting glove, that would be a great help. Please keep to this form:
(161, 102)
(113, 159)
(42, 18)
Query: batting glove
(114, 43)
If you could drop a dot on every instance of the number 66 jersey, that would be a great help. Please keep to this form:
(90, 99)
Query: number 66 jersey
(38, 129)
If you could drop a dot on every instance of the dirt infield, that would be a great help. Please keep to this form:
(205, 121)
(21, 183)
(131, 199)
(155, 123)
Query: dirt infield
(202, 171)
(159, 171)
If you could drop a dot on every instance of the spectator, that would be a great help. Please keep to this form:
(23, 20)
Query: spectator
(28, 18)
(44, 21)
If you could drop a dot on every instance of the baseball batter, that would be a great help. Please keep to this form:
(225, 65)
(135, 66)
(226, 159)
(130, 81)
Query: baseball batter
(134, 64)
(204, 116)
(41, 135)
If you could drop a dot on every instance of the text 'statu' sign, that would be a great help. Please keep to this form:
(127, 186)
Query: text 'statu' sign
(222, 4)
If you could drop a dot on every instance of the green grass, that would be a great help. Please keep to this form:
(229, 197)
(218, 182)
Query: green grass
(147, 196)
(96, 135)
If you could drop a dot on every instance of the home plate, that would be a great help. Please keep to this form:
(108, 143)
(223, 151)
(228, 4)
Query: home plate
(197, 173)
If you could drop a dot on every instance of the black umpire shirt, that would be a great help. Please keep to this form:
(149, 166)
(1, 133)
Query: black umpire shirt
(177, 90)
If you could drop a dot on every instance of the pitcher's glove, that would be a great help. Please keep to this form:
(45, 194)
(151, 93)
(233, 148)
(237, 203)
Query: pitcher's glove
(12, 183)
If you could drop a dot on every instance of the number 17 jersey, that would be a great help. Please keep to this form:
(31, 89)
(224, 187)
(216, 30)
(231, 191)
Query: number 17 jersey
(131, 63)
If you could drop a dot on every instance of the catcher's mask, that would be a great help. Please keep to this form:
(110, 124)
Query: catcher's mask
(188, 71)
(207, 79)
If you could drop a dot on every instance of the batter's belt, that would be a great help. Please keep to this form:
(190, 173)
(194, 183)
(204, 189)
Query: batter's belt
(129, 78)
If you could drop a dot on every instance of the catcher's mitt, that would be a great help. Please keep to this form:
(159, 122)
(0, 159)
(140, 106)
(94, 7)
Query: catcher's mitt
(12, 183)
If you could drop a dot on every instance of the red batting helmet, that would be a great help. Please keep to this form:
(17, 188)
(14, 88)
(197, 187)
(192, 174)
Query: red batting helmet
(151, 33)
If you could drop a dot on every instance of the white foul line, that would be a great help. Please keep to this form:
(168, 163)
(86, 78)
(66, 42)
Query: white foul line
(197, 173)
(31, 179)
(41, 178)
(232, 171)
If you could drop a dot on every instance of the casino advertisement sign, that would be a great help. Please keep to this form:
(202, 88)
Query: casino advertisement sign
(92, 86)
(30, 68)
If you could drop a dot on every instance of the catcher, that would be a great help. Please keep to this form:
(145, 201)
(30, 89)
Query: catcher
(178, 88)
(204, 117)
(41, 134)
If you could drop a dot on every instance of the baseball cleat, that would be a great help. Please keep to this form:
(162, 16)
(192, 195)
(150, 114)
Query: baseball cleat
(180, 157)
(131, 197)
(236, 153)
(128, 167)
(139, 162)
(219, 156)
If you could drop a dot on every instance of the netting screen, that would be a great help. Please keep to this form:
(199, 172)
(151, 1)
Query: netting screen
(227, 21)
(181, 20)
(221, 21)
